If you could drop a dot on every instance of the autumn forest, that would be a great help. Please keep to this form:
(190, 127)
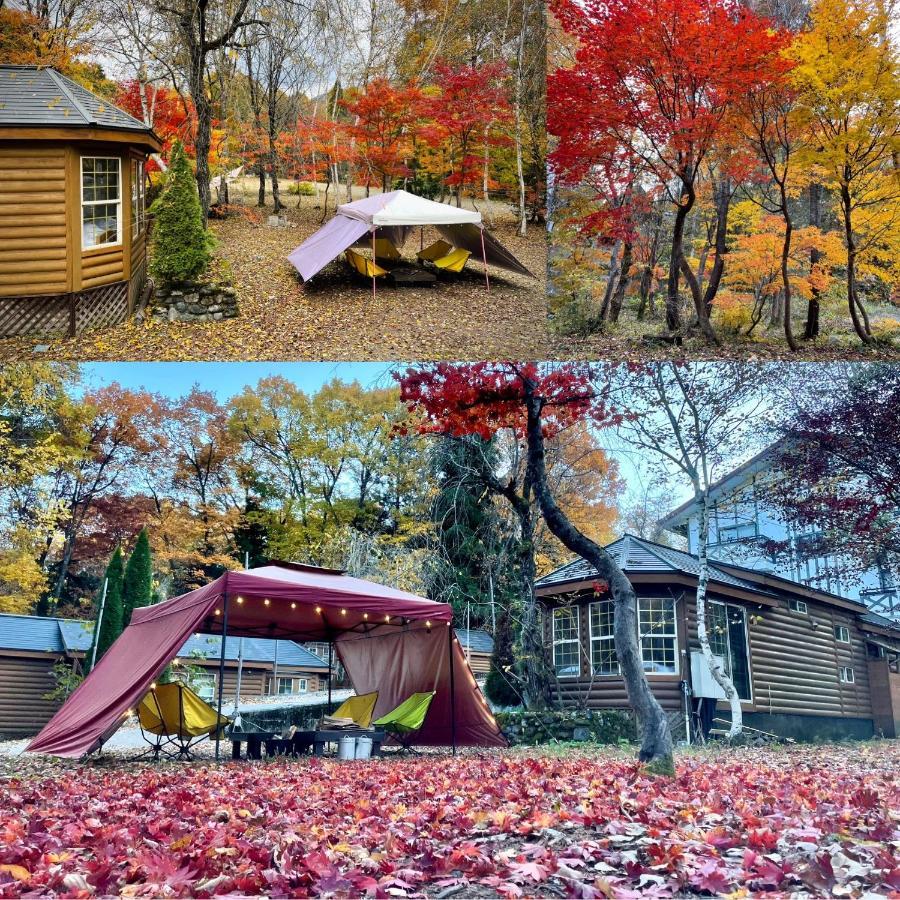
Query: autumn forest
(727, 174)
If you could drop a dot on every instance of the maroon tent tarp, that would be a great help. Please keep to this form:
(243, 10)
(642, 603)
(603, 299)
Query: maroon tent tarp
(388, 640)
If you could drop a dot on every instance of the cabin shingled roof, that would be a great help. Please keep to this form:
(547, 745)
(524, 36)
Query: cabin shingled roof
(636, 555)
(478, 641)
(49, 635)
(44, 98)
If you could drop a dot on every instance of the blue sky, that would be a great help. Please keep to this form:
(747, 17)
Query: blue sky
(227, 379)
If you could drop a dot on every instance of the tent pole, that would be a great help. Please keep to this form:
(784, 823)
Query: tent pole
(330, 652)
(222, 670)
(487, 280)
(373, 266)
(452, 688)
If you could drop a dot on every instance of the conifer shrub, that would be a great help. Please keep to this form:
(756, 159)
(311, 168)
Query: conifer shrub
(137, 587)
(111, 621)
(181, 245)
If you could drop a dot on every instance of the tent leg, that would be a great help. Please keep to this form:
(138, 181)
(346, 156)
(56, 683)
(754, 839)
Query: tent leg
(221, 672)
(373, 266)
(487, 279)
(452, 688)
(330, 655)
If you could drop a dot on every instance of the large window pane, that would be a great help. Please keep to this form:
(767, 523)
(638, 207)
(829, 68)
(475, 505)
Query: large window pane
(101, 201)
(565, 642)
(656, 624)
(726, 627)
(603, 648)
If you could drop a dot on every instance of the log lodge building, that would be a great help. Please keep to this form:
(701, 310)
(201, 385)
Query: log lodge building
(806, 663)
(73, 225)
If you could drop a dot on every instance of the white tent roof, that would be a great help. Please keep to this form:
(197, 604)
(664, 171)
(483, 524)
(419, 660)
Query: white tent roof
(403, 208)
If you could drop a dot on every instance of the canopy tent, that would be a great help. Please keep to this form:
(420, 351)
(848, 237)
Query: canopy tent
(392, 215)
(388, 640)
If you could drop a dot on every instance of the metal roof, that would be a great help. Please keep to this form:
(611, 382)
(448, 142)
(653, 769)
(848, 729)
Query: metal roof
(476, 640)
(635, 555)
(44, 634)
(881, 621)
(32, 96)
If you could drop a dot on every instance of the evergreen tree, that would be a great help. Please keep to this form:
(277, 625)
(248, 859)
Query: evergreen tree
(181, 245)
(111, 623)
(137, 586)
(501, 684)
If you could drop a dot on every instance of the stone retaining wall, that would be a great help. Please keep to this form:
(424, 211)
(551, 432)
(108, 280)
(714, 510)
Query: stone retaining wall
(195, 303)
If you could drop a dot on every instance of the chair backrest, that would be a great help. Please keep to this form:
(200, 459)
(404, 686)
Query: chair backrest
(453, 262)
(359, 708)
(384, 249)
(173, 708)
(435, 251)
(364, 265)
(409, 715)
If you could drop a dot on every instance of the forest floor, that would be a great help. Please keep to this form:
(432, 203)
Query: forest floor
(567, 821)
(334, 317)
(631, 338)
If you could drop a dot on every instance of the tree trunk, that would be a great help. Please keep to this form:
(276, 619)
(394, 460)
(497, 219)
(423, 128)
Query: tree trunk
(673, 313)
(656, 737)
(261, 196)
(618, 298)
(811, 330)
(861, 326)
(517, 112)
(699, 306)
(716, 668)
(204, 133)
(785, 278)
(611, 282)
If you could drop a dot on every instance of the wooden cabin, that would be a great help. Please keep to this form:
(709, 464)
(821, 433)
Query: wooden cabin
(31, 645)
(73, 226)
(806, 664)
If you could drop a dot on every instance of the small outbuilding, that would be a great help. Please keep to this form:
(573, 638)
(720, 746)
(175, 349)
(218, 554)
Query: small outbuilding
(73, 248)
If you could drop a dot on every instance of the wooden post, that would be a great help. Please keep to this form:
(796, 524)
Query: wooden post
(221, 670)
(452, 688)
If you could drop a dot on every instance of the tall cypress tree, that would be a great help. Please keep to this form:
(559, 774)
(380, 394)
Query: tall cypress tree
(137, 586)
(111, 622)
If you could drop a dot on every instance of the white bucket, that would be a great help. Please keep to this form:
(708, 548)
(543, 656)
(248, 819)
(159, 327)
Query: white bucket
(363, 747)
(347, 747)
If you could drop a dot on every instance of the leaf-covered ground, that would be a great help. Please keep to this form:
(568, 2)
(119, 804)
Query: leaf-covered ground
(821, 820)
(334, 317)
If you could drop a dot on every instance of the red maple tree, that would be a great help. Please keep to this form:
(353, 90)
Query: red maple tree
(654, 81)
(168, 113)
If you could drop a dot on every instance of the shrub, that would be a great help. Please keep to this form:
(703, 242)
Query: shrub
(111, 622)
(886, 330)
(732, 312)
(302, 189)
(181, 247)
(137, 587)
(609, 726)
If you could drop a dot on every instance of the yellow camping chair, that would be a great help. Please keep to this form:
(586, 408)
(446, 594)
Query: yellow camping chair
(359, 709)
(384, 249)
(434, 251)
(404, 721)
(364, 266)
(453, 261)
(176, 719)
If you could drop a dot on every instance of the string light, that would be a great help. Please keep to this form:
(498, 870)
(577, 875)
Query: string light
(365, 615)
(127, 713)
(428, 623)
(153, 686)
(266, 601)
(218, 612)
(240, 599)
(293, 606)
(318, 609)
(387, 618)
(343, 612)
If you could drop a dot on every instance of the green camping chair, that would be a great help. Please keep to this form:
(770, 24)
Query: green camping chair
(403, 722)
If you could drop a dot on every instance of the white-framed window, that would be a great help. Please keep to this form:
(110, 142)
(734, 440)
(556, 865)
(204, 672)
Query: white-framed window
(138, 206)
(288, 685)
(740, 532)
(603, 646)
(798, 606)
(842, 634)
(847, 676)
(726, 629)
(658, 637)
(566, 650)
(101, 201)
(318, 648)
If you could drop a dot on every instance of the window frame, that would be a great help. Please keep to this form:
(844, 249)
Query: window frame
(575, 610)
(794, 607)
(118, 241)
(610, 638)
(138, 199)
(842, 629)
(673, 636)
(846, 675)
